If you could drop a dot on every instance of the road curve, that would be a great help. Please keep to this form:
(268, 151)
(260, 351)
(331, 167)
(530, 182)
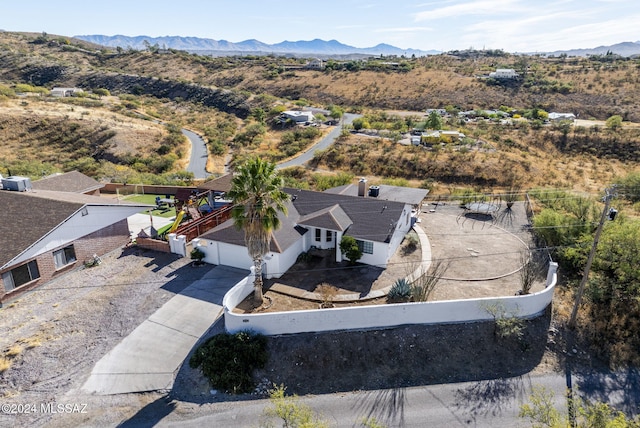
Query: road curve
(199, 155)
(325, 142)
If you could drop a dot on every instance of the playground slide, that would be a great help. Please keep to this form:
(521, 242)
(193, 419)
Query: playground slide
(177, 222)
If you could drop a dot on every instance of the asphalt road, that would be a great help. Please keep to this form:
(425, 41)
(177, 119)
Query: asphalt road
(199, 155)
(328, 140)
(485, 403)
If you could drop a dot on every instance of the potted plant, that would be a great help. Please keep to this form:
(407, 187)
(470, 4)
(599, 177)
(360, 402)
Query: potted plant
(197, 255)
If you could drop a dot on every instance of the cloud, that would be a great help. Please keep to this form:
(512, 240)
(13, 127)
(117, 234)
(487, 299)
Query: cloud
(478, 7)
(402, 30)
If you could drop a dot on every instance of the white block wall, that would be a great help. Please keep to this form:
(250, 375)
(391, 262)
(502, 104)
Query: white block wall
(381, 316)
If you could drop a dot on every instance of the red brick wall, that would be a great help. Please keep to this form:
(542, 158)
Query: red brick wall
(100, 243)
(153, 244)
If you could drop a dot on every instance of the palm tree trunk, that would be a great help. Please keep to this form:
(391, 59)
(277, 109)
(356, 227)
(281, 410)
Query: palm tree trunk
(257, 282)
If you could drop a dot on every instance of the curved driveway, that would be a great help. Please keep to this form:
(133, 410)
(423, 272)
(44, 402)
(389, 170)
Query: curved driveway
(199, 155)
(328, 140)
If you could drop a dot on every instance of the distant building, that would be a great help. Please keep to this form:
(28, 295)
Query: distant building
(298, 116)
(561, 116)
(316, 64)
(65, 92)
(504, 73)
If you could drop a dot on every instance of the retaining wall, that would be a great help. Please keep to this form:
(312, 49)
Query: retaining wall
(380, 316)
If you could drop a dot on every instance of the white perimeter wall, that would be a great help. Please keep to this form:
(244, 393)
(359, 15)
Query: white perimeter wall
(380, 316)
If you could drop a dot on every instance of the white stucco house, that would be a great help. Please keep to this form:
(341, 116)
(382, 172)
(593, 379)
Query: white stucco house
(504, 73)
(554, 116)
(378, 218)
(298, 116)
(65, 92)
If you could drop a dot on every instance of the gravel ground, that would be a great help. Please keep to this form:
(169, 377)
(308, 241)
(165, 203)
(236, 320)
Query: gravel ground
(54, 335)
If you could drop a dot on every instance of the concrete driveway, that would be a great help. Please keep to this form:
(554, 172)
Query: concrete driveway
(148, 358)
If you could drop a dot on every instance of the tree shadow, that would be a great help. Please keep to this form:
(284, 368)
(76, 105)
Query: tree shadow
(385, 406)
(621, 388)
(490, 397)
(151, 414)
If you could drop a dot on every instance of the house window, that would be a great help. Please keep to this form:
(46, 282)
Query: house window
(365, 246)
(318, 235)
(64, 256)
(20, 275)
(329, 236)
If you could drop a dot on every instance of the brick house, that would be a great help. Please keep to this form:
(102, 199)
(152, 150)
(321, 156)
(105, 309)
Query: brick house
(45, 234)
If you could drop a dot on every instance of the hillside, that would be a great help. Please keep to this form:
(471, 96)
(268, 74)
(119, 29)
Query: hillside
(218, 97)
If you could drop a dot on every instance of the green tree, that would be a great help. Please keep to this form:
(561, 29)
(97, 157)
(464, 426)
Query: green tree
(614, 122)
(259, 115)
(434, 121)
(257, 197)
(336, 112)
(349, 247)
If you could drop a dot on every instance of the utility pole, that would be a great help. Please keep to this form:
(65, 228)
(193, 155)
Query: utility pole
(606, 213)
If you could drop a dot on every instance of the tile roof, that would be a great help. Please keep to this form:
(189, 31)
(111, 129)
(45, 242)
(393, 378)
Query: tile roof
(29, 216)
(73, 181)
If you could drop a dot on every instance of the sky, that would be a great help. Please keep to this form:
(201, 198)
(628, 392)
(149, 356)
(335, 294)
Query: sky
(443, 25)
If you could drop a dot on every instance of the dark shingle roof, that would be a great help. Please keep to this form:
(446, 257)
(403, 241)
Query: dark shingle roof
(73, 181)
(281, 239)
(220, 184)
(407, 195)
(373, 219)
(333, 218)
(29, 216)
(369, 219)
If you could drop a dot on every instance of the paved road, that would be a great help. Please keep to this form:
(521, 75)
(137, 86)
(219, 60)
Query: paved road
(486, 403)
(328, 140)
(199, 155)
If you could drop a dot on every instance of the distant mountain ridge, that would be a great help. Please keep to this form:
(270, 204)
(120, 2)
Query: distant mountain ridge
(623, 49)
(301, 47)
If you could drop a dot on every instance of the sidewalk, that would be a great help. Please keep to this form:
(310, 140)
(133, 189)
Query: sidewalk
(148, 358)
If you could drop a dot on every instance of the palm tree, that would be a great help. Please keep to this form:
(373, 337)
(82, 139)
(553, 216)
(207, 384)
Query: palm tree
(257, 198)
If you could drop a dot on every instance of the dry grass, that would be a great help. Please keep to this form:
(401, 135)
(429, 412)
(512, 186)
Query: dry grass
(5, 364)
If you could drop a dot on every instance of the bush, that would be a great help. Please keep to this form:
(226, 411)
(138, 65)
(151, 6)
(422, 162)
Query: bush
(400, 291)
(350, 249)
(228, 360)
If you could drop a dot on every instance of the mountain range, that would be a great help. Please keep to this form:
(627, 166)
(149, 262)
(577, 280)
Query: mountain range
(317, 47)
(627, 49)
(201, 45)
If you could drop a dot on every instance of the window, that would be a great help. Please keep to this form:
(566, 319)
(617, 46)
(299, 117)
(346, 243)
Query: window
(329, 236)
(365, 246)
(64, 256)
(20, 275)
(318, 235)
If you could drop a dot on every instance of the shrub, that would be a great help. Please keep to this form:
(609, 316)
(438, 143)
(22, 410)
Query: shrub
(197, 254)
(400, 291)
(228, 360)
(350, 249)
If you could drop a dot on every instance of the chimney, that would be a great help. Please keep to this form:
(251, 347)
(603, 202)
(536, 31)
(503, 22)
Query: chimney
(362, 187)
